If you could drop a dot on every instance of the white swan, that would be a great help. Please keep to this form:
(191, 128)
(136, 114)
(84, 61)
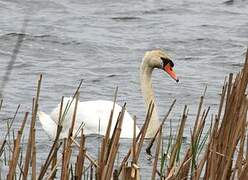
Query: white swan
(95, 114)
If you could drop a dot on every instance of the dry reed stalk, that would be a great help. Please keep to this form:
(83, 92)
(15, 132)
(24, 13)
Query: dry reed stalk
(87, 155)
(244, 174)
(184, 167)
(139, 141)
(241, 151)
(91, 172)
(222, 99)
(231, 131)
(113, 148)
(9, 126)
(64, 168)
(176, 146)
(143, 134)
(199, 112)
(134, 149)
(107, 135)
(104, 149)
(226, 134)
(7, 135)
(211, 164)
(33, 150)
(70, 134)
(131, 172)
(235, 135)
(54, 162)
(52, 174)
(54, 149)
(198, 170)
(183, 170)
(66, 160)
(240, 157)
(31, 141)
(16, 151)
(79, 165)
(128, 172)
(195, 140)
(190, 156)
(33, 159)
(59, 129)
(138, 138)
(148, 149)
(2, 147)
(246, 153)
(159, 140)
(197, 135)
(67, 147)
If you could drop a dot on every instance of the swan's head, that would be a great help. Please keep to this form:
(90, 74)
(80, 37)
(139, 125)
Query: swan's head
(159, 59)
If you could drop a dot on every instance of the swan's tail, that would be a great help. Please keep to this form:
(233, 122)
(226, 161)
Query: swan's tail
(48, 124)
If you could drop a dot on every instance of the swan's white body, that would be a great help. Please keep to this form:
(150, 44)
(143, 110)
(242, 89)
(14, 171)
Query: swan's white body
(95, 114)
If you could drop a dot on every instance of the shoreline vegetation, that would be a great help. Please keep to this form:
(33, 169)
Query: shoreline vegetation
(219, 152)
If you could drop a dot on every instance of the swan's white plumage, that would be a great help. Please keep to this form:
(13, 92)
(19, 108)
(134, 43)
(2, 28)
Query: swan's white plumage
(47, 124)
(91, 113)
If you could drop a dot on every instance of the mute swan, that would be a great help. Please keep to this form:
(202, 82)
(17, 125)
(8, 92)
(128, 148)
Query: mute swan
(95, 114)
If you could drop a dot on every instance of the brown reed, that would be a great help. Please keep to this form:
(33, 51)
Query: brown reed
(224, 156)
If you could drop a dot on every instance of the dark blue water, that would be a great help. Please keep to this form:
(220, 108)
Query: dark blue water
(103, 43)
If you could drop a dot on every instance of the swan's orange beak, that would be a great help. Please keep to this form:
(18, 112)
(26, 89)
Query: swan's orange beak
(170, 71)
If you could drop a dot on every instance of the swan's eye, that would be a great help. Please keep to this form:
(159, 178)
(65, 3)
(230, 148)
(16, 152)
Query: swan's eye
(171, 63)
(167, 61)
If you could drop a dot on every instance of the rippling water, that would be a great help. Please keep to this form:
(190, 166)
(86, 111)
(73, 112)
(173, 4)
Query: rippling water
(103, 43)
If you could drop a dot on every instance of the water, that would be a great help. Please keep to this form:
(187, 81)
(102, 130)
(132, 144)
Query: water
(104, 42)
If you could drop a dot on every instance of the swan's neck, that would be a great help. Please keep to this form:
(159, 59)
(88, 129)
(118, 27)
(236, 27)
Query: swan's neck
(147, 92)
